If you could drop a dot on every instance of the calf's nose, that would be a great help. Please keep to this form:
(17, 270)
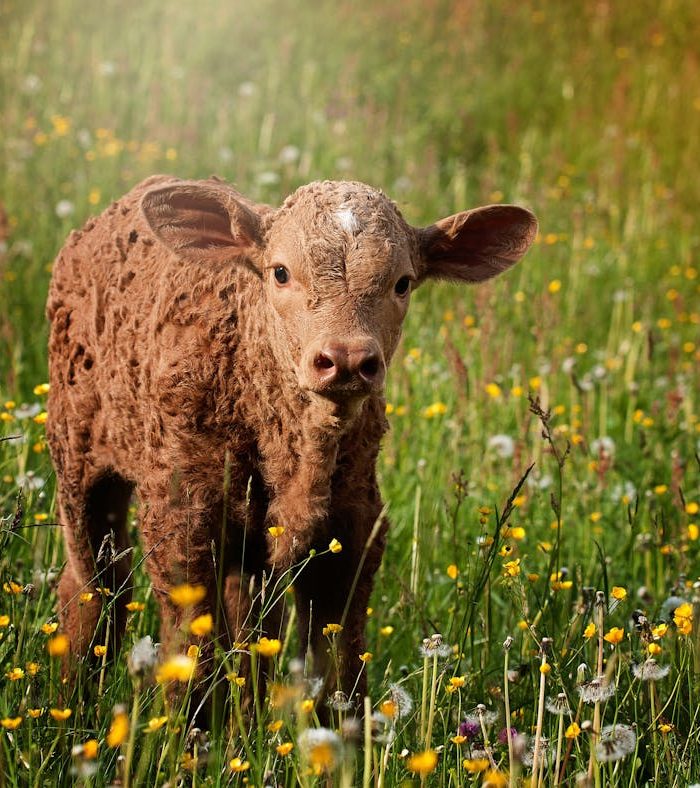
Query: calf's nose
(344, 361)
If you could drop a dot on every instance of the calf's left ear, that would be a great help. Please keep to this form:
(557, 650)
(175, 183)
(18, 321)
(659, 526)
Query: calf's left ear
(476, 245)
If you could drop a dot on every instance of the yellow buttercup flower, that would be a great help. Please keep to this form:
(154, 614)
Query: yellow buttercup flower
(269, 647)
(332, 629)
(683, 618)
(90, 748)
(619, 593)
(335, 546)
(285, 748)
(276, 531)
(614, 636)
(135, 607)
(186, 595)
(238, 765)
(60, 715)
(475, 765)
(511, 568)
(178, 668)
(155, 724)
(202, 625)
(572, 731)
(118, 730)
(99, 651)
(589, 631)
(58, 646)
(49, 628)
(423, 763)
(366, 656)
(11, 723)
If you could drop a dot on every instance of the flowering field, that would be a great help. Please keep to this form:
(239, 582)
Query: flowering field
(536, 620)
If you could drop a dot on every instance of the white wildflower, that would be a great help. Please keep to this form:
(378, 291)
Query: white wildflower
(616, 742)
(502, 445)
(64, 209)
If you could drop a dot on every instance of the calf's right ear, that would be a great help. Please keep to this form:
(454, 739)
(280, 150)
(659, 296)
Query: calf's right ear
(202, 222)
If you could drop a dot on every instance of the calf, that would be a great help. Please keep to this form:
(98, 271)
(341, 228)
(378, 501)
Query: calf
(225, 361)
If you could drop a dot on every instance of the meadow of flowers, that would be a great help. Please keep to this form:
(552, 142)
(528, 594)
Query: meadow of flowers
(537, 617)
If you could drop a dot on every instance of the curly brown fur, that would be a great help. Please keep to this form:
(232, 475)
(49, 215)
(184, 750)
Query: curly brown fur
(182, 369)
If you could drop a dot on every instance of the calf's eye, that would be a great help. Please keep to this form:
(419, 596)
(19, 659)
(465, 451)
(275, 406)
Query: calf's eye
(281, 275)
(401, 287)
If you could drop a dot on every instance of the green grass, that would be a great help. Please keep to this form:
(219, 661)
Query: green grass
(588, 113)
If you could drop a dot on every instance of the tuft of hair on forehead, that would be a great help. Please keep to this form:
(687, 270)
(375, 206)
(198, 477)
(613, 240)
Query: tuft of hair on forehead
(351, 206)
(347, 220)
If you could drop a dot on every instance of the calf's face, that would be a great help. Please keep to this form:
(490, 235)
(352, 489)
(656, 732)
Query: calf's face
(338, 264)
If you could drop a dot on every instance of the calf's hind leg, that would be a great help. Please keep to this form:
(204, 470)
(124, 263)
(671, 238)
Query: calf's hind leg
(93, 516)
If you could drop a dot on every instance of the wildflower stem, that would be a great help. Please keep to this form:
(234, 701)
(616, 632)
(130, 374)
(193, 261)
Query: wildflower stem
(509, 733)
(560, 741)
(433, 695)
(484, 733)
(655, 745)
(367, 771)
(415, 555)
(424, 698)
(600, 623)
(132, 734)
(103, 666)
(540, 719)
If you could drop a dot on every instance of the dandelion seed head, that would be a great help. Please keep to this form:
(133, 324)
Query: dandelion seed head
(650, 670)
(434, 646)
(501, 445)
(597, 690)
(322, 748)
(616, 742)
(339, 701)
(143, 655)
(558, 705)
(402, 701)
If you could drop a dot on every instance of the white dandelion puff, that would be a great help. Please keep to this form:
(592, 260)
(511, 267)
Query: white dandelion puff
(597, 690)
(650, 670)
(616, 742)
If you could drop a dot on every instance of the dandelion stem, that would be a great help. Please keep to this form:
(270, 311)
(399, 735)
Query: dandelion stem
(433, 695)
(132, 734)
(600, 623)
(484, 733)
(509, 733)
(424, 698)
(655, 746)
(540, 719)
(560, 741)
(367, 772)
(103, 665)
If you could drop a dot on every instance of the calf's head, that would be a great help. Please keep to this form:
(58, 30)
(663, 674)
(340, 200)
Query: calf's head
(337, 264)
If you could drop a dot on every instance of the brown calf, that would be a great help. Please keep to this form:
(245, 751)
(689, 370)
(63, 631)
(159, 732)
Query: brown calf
(226, 362)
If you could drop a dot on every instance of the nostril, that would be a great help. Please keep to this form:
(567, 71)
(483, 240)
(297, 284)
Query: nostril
(369, 369)
(322, 361)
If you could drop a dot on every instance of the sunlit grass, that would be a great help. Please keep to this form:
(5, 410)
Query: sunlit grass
(564, 592)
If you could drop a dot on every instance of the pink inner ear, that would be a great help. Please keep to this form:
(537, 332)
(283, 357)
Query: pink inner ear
(202, 221)
(473, 246)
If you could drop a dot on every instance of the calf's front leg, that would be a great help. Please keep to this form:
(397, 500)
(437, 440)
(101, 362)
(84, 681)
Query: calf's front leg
(335, 588)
